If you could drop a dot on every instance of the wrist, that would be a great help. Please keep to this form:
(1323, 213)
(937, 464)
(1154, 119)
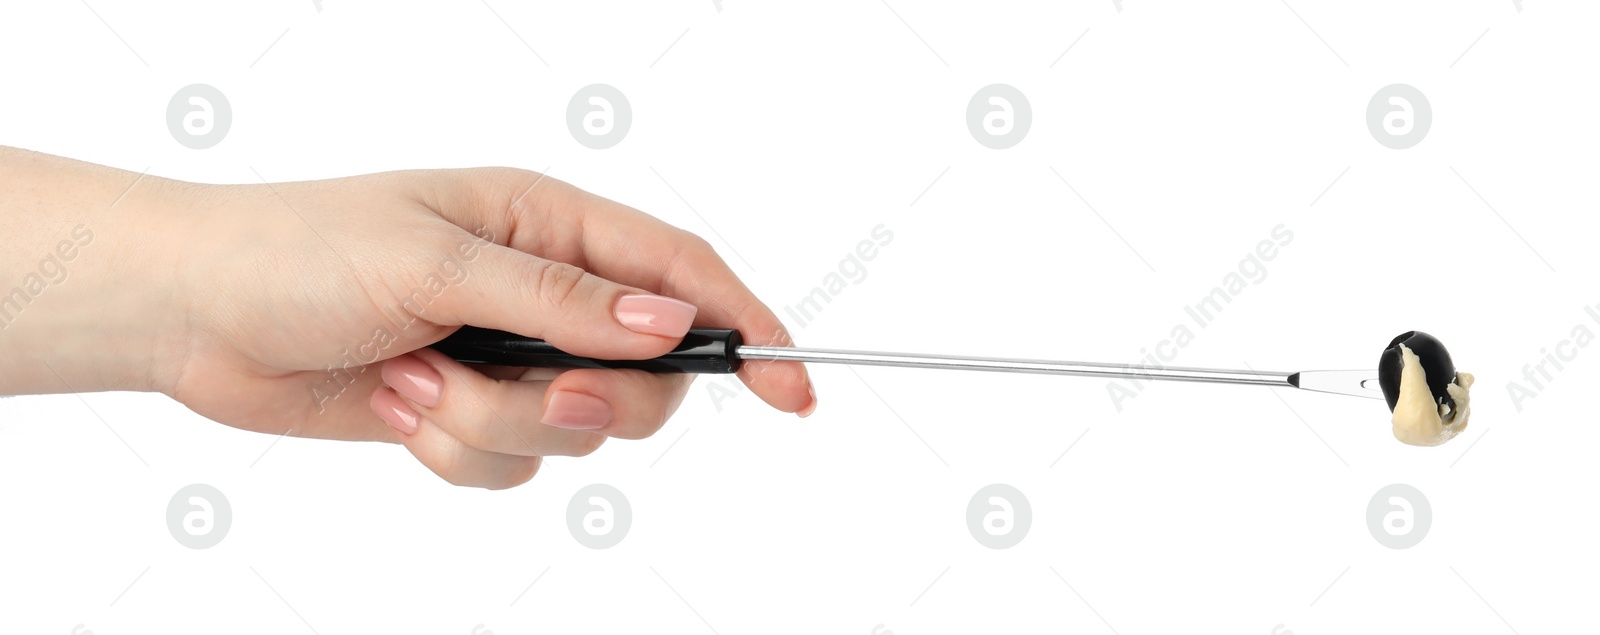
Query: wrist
(87, 301)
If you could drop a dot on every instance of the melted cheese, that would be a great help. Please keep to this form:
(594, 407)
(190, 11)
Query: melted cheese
(1418, 418)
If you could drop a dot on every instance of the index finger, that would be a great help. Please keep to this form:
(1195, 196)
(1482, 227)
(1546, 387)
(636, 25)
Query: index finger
(558, 221)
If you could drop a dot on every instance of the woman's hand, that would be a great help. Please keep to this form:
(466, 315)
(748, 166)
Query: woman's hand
(306, 308)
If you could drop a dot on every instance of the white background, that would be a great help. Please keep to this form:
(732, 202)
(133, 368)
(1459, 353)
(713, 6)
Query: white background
(794, 129)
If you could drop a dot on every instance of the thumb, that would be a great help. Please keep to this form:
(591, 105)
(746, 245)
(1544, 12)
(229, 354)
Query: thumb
(576, 311)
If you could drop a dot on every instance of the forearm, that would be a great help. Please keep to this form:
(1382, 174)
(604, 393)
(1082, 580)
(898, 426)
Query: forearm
(87, 301)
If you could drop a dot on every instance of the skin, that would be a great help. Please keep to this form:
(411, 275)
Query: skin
(236, 300)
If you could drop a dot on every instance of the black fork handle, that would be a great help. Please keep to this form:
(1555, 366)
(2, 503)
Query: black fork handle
(703, 351)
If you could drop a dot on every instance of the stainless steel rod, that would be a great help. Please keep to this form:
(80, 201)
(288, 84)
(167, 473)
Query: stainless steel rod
(1005, 365)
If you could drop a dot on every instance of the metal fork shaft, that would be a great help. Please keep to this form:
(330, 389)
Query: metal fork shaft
(1005, 365)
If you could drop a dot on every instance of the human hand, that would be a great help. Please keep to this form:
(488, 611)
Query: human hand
(306, 309)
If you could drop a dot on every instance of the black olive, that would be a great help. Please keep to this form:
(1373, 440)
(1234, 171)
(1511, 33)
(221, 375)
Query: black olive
(1436, 365)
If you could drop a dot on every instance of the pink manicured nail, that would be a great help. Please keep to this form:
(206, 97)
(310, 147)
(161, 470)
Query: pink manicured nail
(576, 411)
(655, 315)
(395, 412)
(810, 407)
(415, 379)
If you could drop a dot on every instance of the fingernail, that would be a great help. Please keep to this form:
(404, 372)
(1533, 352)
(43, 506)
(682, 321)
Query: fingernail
(415, 379)
(576, 411)
(810, 407)
(655, 315)
(387, 404)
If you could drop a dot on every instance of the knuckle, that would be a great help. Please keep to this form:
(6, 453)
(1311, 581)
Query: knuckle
(517, 187)
(469, 417)
(513, 175)
(676, 389)
(589, 444)
(476, 432)
(450, 469)
(698, 245)
(557, 283)
(522, 473)
(645, 427)
(655, 423)
(695, 252)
